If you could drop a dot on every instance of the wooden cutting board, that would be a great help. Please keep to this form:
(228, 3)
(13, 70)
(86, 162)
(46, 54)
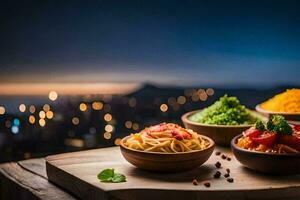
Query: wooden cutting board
(77, 173)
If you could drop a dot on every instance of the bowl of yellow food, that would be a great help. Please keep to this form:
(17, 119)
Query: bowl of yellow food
(286, 104)
(166, 147)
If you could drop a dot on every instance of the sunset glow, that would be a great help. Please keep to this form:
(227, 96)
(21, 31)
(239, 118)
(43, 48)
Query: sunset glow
(66, 88)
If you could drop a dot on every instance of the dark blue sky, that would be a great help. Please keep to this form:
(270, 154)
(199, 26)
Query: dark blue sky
(180, 42)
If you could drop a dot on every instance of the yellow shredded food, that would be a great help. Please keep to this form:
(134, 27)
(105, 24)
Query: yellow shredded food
(288, 101)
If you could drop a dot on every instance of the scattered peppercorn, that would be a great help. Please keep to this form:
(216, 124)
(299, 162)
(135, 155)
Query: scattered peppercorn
(218, 153)
(230, 180)
(195, 182)
(223, 156)
(228, 158)
(218, 164)
(206, 184)
(228, 170)
(217, 174)
(226, 175)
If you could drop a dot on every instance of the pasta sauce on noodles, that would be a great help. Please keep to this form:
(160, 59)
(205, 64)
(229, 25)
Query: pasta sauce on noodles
(166, 138)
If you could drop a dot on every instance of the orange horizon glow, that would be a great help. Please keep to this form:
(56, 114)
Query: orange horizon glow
(67, 88)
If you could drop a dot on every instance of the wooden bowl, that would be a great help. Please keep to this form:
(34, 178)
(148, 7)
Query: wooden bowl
(287, 116)
(221, 134)
(270, 163)
(167, 162)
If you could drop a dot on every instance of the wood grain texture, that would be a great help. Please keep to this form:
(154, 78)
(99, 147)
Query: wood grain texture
(36, 166)
(16, 182)
(77, 172)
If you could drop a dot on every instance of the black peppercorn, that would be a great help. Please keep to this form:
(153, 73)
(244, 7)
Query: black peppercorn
(217, 174)
(206, 184)
(218, 164)
(230, 180)
(195, 182)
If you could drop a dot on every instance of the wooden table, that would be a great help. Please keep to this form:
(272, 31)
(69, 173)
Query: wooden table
(28, 180)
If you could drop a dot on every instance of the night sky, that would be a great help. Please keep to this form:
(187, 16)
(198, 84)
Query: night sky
(174, 42)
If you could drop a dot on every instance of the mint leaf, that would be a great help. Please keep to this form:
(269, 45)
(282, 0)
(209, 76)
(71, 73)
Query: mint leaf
(118, 178)
(106, 175)
(109, 175)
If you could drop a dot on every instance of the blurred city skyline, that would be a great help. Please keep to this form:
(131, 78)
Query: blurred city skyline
(227, 43)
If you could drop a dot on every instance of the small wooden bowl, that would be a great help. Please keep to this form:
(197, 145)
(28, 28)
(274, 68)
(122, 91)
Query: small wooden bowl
(167, 162)
(287, 116)
(221, 134)
(270, 163)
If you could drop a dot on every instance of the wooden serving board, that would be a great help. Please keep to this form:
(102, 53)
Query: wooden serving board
(77, 173)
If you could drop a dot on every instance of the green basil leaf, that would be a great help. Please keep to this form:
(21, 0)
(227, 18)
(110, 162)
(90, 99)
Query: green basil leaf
(106, 175)
(118, 178)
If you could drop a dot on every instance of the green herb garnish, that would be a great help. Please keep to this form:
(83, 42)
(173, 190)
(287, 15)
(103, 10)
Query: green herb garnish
(109, 175)
(259, 125)
(118, 178)
(278, 124)
(225, 111)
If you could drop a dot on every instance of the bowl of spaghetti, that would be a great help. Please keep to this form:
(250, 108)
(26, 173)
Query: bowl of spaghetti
(272, 148)
(166, 147)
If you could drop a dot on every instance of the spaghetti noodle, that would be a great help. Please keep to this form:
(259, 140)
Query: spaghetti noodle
(166, 138)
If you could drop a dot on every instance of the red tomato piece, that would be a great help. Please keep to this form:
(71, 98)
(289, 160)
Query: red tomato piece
(266, 138)
(186, 135)
(252, 132)
(180, 135)
(176, 135)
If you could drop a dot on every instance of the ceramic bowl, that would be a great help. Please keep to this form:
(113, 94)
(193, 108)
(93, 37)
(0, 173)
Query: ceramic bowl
(270, 163)
(167, 162)
(287, 116)
(221, 134)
